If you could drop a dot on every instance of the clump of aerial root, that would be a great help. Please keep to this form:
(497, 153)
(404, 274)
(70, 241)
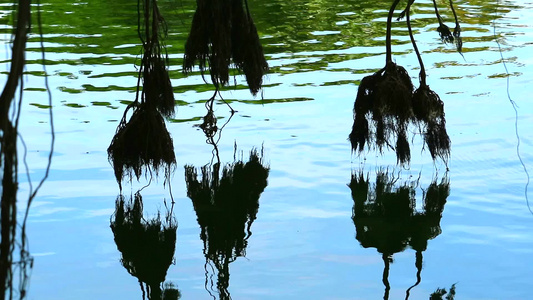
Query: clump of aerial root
(386, 105)
(246, 49)
(393, 93)
(223, 33)
(444, 31)
(141, 144)
(157, 89)
(429, 111)
(383, 104)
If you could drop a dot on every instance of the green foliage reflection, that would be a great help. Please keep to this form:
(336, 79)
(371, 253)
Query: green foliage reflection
(297, 36)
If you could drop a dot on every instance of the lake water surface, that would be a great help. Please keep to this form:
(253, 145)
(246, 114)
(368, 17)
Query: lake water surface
(303, 243)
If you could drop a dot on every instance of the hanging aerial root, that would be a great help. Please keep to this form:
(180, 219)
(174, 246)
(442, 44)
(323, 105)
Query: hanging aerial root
(386, 105)
(209, 41)
(437, 139)
(141, 144)
(247, 51)
(457, 31)
(428, 110)
(393, 93)
(444, 31)
(197, 45)
(157, 89)
(223, 33)
(403, 152)
(382, 105)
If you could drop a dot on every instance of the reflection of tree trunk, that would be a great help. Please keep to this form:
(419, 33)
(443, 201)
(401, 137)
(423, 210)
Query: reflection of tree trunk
(418, 265)
(155, 292)
(8, 147)
(8, 210)
(223, 278)
(17, 58)
(386, 261)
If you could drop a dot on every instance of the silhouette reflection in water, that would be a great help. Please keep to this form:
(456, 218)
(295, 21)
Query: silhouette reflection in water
(385, 217)
(441, 294)
(147, 246)
(226, 206)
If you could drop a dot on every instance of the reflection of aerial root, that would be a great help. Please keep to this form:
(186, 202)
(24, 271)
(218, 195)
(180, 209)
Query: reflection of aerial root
(210, 128)
(226, 201)
(386, 218)
(147, 246)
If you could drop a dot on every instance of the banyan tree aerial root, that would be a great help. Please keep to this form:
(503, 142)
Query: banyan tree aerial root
(382, 105)
(386, 104)
(444, 31)
(222, 33)
(428, 109)
(141, 144)
(157, 89)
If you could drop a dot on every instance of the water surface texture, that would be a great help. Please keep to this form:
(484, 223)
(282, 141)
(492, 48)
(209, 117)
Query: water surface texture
(310, 235)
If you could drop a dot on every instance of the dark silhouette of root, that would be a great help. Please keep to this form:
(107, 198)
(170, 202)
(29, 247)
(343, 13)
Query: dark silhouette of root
(222, 33)
(143, 144)
(387, 104)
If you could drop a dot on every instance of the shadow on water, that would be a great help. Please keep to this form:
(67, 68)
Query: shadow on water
(147, 246)
(226, 205)
(386, 218)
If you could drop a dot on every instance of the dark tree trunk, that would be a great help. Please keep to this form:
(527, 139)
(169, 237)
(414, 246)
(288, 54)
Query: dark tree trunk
(8, 148)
